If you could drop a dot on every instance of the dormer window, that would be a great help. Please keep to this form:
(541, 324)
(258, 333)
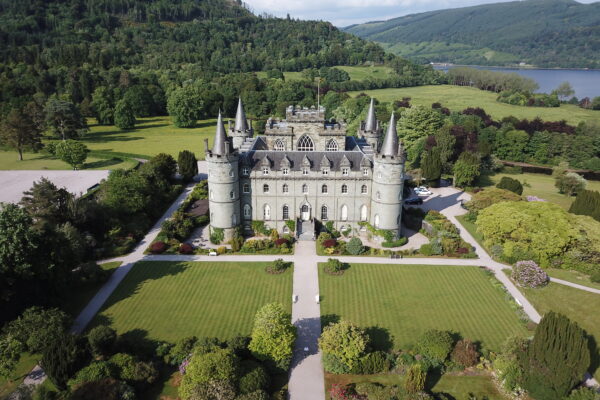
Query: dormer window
(285, 171)
(304, 171)
(345, 171)
(246, 171)
(365, 171)
(325, 171)
(265, 170)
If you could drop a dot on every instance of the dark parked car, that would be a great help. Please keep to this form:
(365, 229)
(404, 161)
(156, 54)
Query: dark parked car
(414, 201)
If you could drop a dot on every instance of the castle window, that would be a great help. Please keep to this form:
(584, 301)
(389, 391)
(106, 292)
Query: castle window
(363, 189)
(324, 189)
(376, 220)
(246, 171)
(231, 173)
(324, 213)
(344, 213)
(265, 188)
(345, 171)
(285, 188)
(247, 211)
(304, 171)
(378, 196)
(331, 145)
(365, 171)
(325, 171)
(267, 212)
(379, 175)
(344, 189)
(279, 145)
(265, 170)
(305, 188)
(363, 213)
(232, 195)
(305, 143)
(285, 171)
(212, 195)
(246, 188)
(286, 212)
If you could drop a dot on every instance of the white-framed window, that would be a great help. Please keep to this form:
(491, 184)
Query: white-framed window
(267, 212)
(286, 212)
(231, 173)
(345, 171)
(246, 188)
(344, 213)
(305, 188)
(325, 171)
(212, 195)
(246, 171)
(324, 213)
(379, 175)
(265, 170)
(247, 211)
(331, 145)
(266, 188)
(305, 143)
(376, 221)
(232, 195)
(285, 171)
(363, 213)
(344, 189)
(363, 189)
(304, 171)
(365, 171)
(279, 145)
(324, 189)
(378, 196)
(285, 188)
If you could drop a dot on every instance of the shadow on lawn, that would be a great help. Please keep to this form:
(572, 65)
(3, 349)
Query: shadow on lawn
(380, 338)
(103, 163)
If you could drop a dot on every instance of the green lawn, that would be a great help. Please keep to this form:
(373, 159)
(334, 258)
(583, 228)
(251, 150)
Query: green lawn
(357, 73)
(458, 98)
(580, 306)
(572, 276)
(471, 228)
(38, 161)
(540, 185)
(406, 300)
(172, 300)
(458, 386)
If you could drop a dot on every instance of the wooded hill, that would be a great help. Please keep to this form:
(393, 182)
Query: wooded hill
(545, 33)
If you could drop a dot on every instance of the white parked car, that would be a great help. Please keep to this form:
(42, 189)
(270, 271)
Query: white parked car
(212, 253)
(422, 191)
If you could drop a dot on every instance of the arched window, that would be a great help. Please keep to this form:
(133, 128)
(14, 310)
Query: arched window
(331, 145)
(265, 188)
(247, 211)
(286, 212)
(246, 188)
(363, 213)
(363, 189)
(305, 188)
(324, 213)
(279, 145)
(324, 189)
(285, 188)
(305, 143)
(344, 189)
(376, 220)
(344, 213)
(232, 195)
(378, 196)
(267, 212)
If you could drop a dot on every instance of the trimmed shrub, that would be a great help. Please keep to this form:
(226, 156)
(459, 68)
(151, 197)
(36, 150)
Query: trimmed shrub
(158, 247)
(102, 339)
(354, 246)
(595, 277)
(281, 241)
(426, 249)
(257, 379)
(465, 353)
(186, 248)
(329, 243)
(415, 378)
(221, 250)
(529, 274)
(96, 371)
(188, 165)
(279, 266)
(373, 363)
(510, 184)
(435, 345)
(334, 267)
(396, 243)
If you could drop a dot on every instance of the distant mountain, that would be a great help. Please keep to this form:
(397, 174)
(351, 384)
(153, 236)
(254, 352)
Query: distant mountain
(546, 33)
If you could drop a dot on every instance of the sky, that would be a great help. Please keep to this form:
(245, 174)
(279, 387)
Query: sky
(346, 12)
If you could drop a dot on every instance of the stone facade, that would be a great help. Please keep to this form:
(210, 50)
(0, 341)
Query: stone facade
(305, 169)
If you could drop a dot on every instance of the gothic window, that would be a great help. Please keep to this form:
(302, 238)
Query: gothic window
(232, 195)
(363, 213)
(305, 188)
(279, 145)
(286, 212)
(247, 211)
(331, 145)
(265, 188)
(246, 171)
(324, 189)
(324, 213)
(344, 189)
(363, 189)
(267, 212)
(344, 213)
(305, 143)
(246, 188)
(285, 171)
(265, 170)
(285, 188)
(376, 220)
(345, 171)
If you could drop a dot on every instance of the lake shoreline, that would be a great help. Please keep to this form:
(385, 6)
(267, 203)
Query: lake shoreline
(528, 67)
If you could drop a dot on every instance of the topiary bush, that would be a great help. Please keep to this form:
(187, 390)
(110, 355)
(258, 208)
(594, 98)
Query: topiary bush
(435, 345)
(511, 184)
(158, 247)
(373, 363)
(329, 243)
(256, 379)
(278, 267)
(354, 246)
(186, 248)
(529, 274)
(334, 267)
(102, 339)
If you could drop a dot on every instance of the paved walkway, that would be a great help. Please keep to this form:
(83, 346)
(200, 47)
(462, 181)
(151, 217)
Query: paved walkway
(575, 285)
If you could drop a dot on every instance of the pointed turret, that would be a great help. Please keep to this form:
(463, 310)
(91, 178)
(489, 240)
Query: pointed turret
(241, 123)
(220, 143)
(371, 121)
(390, 141)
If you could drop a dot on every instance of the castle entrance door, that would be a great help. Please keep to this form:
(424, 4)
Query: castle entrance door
(305, 212)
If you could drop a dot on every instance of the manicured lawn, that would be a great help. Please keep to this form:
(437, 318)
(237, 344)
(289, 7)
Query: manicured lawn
(540, 185)
(572, 276)
(471, 228)
(457, 386)
(579, 305)
(38, 161)
(172, 300)
(458, 98)
(406, 300)
(357, 73)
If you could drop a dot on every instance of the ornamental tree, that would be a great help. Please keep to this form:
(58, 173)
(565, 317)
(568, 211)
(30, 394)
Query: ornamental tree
(489, 196)
(354, 246)
(38, 328)
(511, 184)
(187, 165)
(62, 359)
(103, 105)
(219, 365)
(466, 169)
(10, 354)
(65, 119)
(418, 122)
(20, 132)
(273, 335)
(529, 274)
(435, 345)
(342, 344)
(124, 115)
(72, 152)
(431, 165)
(185, 106)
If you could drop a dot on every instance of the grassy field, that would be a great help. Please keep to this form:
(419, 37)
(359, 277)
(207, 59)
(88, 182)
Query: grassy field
(172, 300)
(38, 161)
(578, 305)
(572, 276)
(403, 301)
(357, 73)
(458, 98)
(540, 185)
(457, 386)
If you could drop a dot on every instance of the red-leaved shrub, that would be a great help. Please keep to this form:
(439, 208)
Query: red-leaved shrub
(158, 247)
(281, 241)
(329, 243)
(186, 248)
(462, 250)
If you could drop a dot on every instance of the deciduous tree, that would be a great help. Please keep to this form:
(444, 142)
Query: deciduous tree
(124, 115)
(20, 132)
(65, 119)
(342, 343)
(72, 152)
(466, 169)
(185, 105)
(273, 335)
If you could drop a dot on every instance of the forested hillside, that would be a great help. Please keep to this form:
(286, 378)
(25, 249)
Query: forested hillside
(548, 33)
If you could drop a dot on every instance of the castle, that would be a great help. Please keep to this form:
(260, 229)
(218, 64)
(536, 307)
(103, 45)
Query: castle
(307, 170)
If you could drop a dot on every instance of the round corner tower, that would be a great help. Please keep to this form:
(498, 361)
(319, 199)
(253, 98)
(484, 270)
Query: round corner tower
(223, 183)
(388, 183)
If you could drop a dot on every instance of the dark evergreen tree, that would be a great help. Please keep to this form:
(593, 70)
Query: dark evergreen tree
(556, 359)
(432, 167)
(188, 165)
(62, 359)
(587, 202)
(511, 184)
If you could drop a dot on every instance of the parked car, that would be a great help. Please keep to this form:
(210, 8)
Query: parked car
(421, 191)
(212, 253)
(414, 201)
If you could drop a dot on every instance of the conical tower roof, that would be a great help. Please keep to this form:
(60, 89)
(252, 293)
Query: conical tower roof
(390, 142)
(220, 143)
(241, 123)
(371, 121)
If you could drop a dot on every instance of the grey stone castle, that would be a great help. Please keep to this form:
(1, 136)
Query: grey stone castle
(305, 169)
